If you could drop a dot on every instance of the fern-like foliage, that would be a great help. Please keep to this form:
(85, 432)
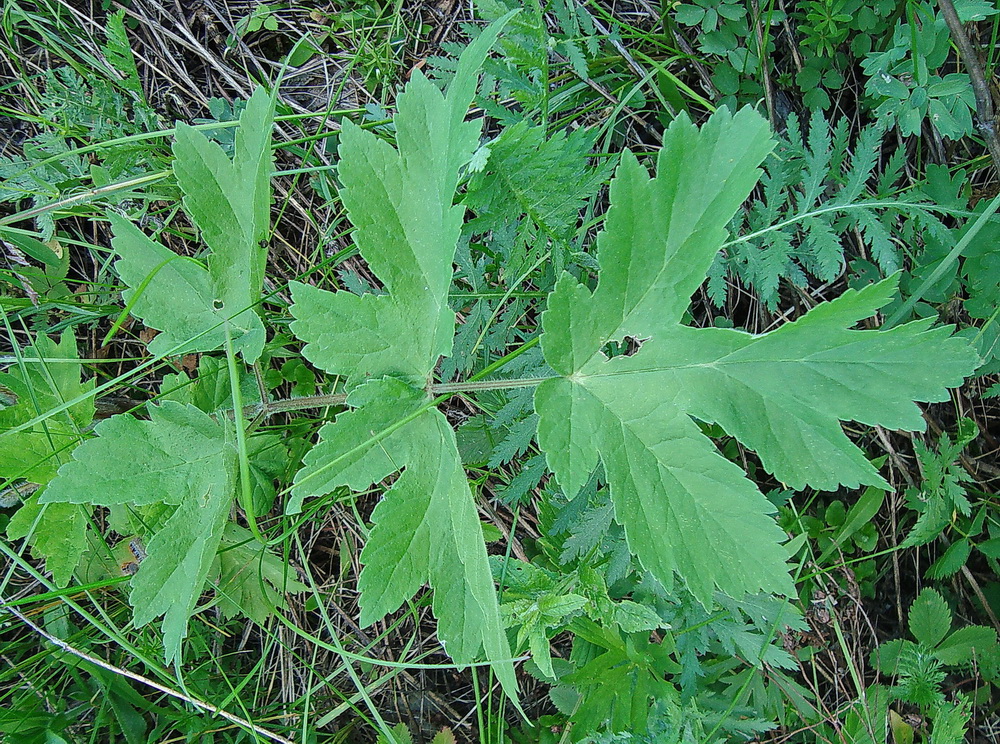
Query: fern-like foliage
(817, 209)
(548, 179)
(920, 669)
(545, 34)
(614, 605)
(78, 109)
(942, 493)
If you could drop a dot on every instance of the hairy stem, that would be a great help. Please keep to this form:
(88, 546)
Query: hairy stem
(446, 388)
(462, 387)
(338, 399)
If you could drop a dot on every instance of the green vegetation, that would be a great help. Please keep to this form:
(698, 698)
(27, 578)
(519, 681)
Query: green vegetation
(558, 375)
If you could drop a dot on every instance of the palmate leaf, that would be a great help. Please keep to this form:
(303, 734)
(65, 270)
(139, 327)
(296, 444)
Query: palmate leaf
(685, 508)
(229, 201)
(179, 456)
(401, 203)
(407, 228)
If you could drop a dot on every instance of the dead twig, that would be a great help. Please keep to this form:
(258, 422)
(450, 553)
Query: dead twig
(981, 89)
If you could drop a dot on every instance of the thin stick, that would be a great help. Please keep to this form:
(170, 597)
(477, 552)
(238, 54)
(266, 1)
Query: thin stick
(84, 196)
(145, 680)
(981, 89)
(982, 597)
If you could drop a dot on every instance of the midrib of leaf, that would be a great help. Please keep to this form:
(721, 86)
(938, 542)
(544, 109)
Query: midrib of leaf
(721, 365)
(865, 206)
(222, 174)
(424, 267)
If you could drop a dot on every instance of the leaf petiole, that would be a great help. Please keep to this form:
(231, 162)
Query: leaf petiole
(440, 391)
(246, 492)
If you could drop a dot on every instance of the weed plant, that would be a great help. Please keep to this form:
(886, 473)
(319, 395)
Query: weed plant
(524, 386)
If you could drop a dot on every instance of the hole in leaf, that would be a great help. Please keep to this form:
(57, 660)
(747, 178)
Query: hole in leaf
(218, 304)
(8, 397)
(626, 347)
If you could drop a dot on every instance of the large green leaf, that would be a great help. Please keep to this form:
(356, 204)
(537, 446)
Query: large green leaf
(229, 201)
(172, 577)
(401, 203)
(407, 228)
(685, 508)
(182, 457)
(178, 454)
(426, 530)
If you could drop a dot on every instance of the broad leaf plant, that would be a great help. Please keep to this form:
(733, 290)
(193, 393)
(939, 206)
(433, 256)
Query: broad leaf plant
(689, 514)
